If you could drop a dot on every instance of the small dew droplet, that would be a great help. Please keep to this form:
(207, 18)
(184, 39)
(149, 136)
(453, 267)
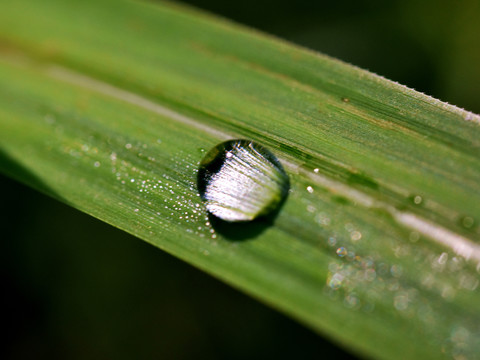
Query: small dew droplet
(414, 236)
(239, 180)
(468, 222)
(417, 200)
(341, 251)
(332, 241)
(356, 235)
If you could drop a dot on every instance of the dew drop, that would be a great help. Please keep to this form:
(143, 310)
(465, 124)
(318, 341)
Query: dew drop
(332, 241)
(341, 251)
(335, 281)
(239, 180)
(468, 222)
(356, 235)
(417, 200)
(414, 236)
(400, 301)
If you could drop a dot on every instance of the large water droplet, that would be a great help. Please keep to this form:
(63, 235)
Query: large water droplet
(240, 180)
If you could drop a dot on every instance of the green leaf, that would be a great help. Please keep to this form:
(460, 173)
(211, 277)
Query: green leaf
(110, 106)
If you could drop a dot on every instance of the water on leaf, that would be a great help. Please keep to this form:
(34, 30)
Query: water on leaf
(240, 180)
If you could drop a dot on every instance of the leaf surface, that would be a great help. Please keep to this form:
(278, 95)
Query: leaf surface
(109, 106)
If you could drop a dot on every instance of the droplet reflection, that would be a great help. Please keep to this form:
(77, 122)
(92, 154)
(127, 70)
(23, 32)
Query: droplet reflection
(240, 181)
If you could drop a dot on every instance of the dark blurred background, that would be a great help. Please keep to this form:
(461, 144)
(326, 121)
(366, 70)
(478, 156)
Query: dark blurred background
(75, 288)
(432, 46)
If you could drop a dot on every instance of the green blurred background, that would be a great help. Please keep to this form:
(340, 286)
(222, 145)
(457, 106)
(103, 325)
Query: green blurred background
(75, 288)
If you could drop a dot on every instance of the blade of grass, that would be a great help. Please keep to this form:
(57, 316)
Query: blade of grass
(109, 107)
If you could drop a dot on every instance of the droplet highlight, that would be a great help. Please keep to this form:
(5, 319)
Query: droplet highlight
(240, 180)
